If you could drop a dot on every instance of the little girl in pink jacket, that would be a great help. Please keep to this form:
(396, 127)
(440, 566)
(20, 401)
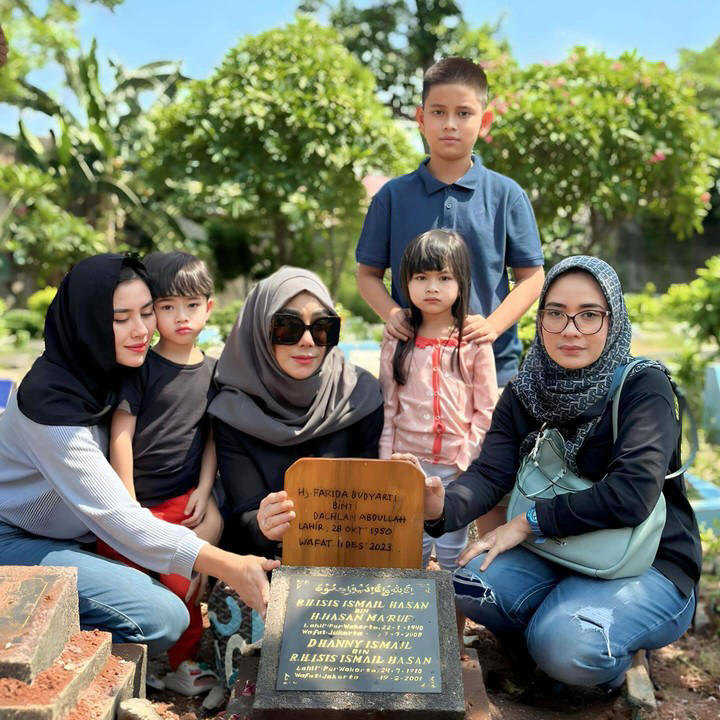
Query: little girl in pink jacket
(439, 390)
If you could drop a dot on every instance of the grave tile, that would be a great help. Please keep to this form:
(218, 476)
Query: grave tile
(360, 643)
(55, 690)
(38, 613)
(103, 696)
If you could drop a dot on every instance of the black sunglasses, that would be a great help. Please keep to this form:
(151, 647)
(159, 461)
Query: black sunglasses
(287, 329)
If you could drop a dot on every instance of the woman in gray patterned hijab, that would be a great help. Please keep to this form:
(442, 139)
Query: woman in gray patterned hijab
(558, 395)
(578, 629)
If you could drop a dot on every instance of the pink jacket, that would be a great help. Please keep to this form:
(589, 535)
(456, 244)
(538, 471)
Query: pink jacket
(438, 416)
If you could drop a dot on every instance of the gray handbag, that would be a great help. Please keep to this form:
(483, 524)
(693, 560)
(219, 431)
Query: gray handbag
(609, 553)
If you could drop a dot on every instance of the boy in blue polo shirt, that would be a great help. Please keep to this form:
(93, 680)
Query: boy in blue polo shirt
(452, 189)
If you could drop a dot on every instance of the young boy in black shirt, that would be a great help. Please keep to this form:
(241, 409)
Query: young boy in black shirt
(161, 442)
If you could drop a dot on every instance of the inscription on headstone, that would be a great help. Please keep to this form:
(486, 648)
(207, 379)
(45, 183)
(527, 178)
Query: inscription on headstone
(368, 642)
(360, 633)
(354, 513)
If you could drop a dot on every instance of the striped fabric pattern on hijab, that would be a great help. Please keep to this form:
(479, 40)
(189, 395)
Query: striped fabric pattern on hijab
(559, 396)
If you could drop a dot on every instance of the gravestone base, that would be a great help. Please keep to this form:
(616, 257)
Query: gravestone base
(425, 669)
(49, 668)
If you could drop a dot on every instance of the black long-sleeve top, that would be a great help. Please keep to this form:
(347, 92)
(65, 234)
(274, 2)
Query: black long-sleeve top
(628, 475)
(251, 468)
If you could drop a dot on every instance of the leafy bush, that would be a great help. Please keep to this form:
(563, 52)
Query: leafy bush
(526, 328)
(21, 322)
(355, 328)
(40, 301)
(3, 328)
(645, 307)
(224, 318)
(697, 304)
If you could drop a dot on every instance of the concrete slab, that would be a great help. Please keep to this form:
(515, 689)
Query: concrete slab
(56, 690)
(135, 653)
(711, 403)
(38, 614)
(103, 696)
(360, 643)
(639, 687)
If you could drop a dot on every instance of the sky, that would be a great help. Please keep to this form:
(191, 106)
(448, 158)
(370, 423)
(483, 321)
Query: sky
(200, 32)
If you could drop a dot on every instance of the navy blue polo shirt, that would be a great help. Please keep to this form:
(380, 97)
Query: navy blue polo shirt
(491, 212)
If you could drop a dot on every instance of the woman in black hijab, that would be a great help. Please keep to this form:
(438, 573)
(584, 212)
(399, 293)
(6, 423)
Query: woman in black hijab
(57, 489)
(578, 629)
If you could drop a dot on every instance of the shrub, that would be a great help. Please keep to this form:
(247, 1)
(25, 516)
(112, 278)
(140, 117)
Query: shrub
(224, 318)
(526, 328)
(645, 307)
(40, 301)
(697, 304)
(3, 328)
(356, 328)
(19, 321)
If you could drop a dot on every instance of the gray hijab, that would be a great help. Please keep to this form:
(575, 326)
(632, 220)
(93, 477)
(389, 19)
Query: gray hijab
(257, 397)
(558, 396)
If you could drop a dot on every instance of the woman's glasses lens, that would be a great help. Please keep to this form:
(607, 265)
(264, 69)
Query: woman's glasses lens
(288, 329)
(587, 322)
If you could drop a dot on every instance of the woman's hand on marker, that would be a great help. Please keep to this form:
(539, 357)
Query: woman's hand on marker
(479, 329)
(434, 497)
(397, 324)
(275, 514)
(497, 541)
(247, 576)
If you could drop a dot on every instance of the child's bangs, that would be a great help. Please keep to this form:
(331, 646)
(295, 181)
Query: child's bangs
(188, 282)
(431, 254)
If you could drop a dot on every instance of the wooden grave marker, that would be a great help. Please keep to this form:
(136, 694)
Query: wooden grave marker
(354, 513)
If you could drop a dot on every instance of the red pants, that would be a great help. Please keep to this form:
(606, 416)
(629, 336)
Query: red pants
(186, 647)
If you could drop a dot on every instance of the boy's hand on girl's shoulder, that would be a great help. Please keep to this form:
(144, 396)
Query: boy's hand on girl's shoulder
(397, 324)
(196, 508)
(479, 329)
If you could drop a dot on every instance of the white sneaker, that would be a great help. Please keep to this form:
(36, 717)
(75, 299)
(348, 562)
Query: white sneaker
(191, 678)
(154, 681)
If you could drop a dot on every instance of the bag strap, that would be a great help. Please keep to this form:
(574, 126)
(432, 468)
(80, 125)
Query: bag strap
(619, 376)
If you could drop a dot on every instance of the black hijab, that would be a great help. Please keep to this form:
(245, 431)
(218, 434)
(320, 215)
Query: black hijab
(73, 381)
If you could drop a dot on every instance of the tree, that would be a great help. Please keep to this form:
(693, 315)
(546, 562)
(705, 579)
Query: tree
(84, 174)
(703, 69)
(398, 41)
(269, 151)
(40, 237)
(37, 38)
(597, 140)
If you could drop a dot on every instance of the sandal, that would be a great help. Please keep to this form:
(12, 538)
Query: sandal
(191, 678)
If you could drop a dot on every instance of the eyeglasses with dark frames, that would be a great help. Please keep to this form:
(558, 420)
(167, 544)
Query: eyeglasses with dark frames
(587, 322)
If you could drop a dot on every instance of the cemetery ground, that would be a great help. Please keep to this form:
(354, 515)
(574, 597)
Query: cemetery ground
(686, 673)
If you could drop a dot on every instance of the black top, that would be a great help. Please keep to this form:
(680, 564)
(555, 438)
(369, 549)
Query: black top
(646, 450)
(169, 401)
(251, 468)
